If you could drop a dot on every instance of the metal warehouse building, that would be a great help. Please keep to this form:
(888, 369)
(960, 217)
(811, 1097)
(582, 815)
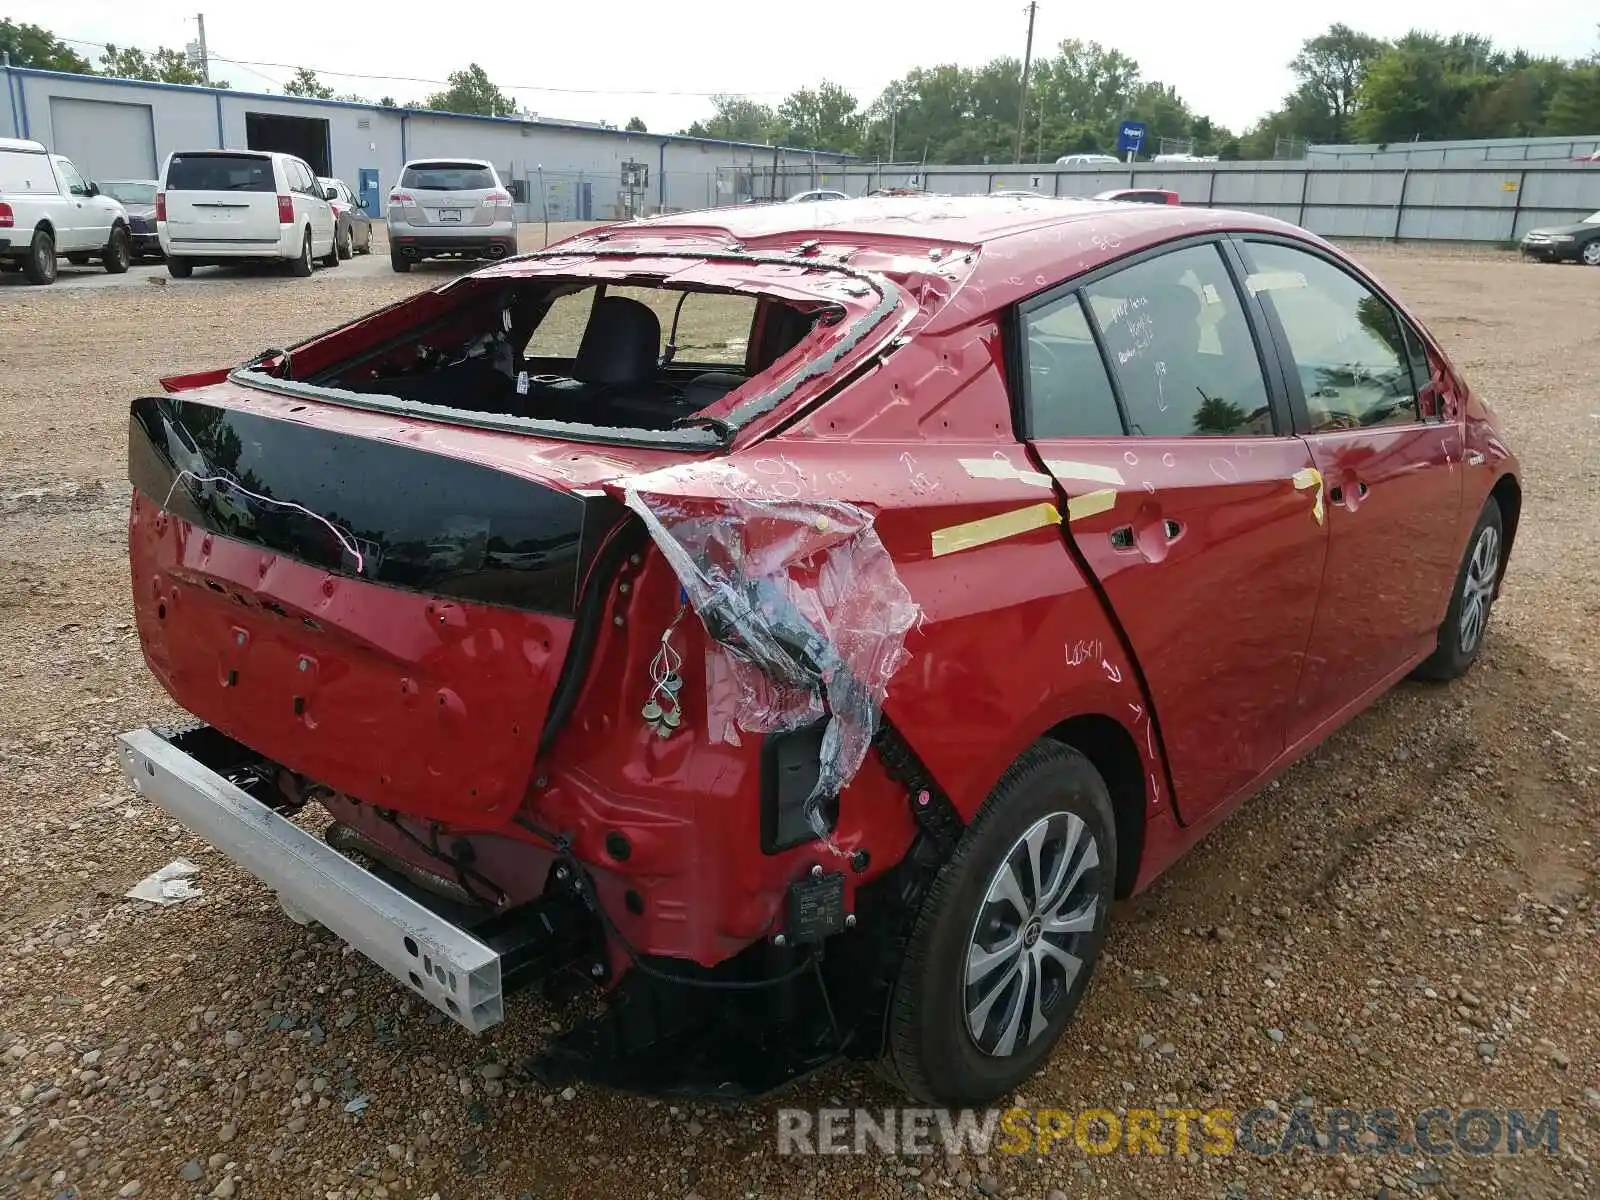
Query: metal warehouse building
(124, 129)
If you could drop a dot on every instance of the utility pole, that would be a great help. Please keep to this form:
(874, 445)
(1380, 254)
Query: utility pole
(893, 113)
(1027, 61)
(205, 59)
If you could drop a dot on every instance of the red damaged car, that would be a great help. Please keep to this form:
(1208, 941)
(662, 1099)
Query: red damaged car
(798, 625)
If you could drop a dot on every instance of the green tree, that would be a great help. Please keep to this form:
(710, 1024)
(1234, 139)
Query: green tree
(735, 119)
(1575, 106)
(1331, 68)
(825, 117)
(387, 102)
(637, 125)
(35, 46)
(163, 65)
(472, 91)
(305, 83)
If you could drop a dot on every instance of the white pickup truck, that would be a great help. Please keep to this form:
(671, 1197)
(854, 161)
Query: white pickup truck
(48, 208)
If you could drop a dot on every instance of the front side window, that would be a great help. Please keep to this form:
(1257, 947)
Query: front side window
(1349, 349)
(1180, 347)
(1068, 391)
(70, 177)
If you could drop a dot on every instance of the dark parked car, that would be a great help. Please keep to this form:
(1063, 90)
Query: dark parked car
(138, 197)
(352, 224)
(1579, 242)
(812, 677)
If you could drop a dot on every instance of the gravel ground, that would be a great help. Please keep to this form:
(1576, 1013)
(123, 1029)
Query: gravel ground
(1404, 919)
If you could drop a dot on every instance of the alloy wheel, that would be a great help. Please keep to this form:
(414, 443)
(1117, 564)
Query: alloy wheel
(1477, 587)
(1029, 941)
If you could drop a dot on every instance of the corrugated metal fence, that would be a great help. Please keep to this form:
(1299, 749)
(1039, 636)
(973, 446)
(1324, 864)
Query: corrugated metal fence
(1485, 202)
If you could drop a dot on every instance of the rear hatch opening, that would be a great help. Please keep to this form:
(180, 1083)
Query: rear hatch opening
(670, 348)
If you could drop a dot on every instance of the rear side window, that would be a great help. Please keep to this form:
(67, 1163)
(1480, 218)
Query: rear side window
(448, 177)
(219, 173)
(1068, 391)
(1180, 347)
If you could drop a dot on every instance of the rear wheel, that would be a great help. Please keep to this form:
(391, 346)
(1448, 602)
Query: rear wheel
(341, 242)
(179, 268)
(366, 242)
(1007, 940)
(1467, 619)
(399, 261)
(332, 257)
(118, 253)
(40, 265)
(301, 266)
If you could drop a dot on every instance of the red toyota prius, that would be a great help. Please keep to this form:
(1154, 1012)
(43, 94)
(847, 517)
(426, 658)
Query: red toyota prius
(799, 622)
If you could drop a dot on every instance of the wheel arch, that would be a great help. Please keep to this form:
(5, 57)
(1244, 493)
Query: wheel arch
(43, 223)
(1111, 750)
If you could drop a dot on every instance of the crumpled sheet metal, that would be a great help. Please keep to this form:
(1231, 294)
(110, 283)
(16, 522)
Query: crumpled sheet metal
(807, 616)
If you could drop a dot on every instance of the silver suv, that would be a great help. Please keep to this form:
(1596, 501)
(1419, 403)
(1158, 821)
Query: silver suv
(449, 206)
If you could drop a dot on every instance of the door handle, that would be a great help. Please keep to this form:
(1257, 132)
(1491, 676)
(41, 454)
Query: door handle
(1337, 495)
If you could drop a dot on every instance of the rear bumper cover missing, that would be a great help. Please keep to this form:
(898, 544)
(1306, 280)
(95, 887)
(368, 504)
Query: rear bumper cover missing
(445, 965)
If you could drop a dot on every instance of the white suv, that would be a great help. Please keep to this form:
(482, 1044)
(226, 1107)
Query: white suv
(47, 207)
(236, 206)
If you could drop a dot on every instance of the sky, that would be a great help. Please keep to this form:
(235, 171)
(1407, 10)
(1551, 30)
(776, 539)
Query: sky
(657, 60)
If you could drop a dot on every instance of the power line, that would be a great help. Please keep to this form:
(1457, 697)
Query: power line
(510, 87)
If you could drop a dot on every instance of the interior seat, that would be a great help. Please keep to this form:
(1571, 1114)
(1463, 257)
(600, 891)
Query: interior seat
(621, 346)
(705, 390)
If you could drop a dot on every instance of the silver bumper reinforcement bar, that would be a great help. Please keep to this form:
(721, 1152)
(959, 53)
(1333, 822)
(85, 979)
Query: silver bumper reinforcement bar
(444, 964)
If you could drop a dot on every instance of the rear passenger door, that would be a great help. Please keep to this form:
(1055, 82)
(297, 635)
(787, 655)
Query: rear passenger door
(1387, 440)
(1149, 401)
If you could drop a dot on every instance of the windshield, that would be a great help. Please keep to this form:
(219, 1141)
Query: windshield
(131, 193)
(448, 177)
(1593, 218)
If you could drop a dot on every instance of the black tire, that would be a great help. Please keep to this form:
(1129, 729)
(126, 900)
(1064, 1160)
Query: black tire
(399, 261)
(931, 1050)
(300, 266)
(366, 245)
(118, 254)
(1462, 633)
(1590, 254)
(342, 245)
(179, 268)
(332, 257)
(40, 265)
(78, 260)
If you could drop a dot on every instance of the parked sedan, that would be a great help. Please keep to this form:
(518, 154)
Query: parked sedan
(353, 232)
(816, 194)
(138, 198)
(942, 589)
(1579, 242)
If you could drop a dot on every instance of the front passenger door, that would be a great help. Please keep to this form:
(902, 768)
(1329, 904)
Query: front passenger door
(1188, 499)
(1387, 443)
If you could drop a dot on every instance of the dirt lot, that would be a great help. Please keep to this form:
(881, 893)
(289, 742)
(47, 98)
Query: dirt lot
(1406, 919)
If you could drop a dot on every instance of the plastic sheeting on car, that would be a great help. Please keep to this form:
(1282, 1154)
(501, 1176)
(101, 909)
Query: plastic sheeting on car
(807, 615)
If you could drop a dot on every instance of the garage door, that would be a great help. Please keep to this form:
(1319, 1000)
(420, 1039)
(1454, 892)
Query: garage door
(104, 140)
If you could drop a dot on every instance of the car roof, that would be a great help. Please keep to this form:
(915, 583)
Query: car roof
(1016, 249)
(103, 181)
(23, 144)
(447, 158)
